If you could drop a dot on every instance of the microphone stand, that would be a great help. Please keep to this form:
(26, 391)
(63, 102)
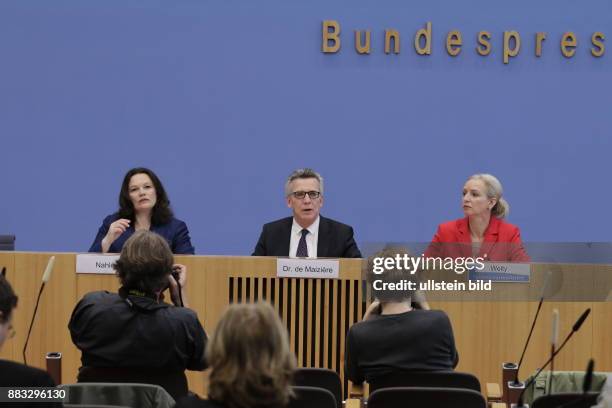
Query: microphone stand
(516, 381)
(45, 279)
(575, 328)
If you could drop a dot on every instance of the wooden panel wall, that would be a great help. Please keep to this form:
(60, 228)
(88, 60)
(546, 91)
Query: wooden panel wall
(317, 314)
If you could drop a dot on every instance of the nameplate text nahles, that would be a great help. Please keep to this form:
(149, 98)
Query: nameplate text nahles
(332, 41)
(96, 263)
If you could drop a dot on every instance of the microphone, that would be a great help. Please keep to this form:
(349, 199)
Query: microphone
(553, 344)
(580, 320)
(4, 271)
(45, 279)
(535, 319)
(575, 328)
(555, 328)
(588, 377)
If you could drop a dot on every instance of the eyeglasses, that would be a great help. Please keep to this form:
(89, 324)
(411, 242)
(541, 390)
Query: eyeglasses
(301, 194)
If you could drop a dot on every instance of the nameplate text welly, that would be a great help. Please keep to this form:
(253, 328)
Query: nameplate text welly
(502, 272)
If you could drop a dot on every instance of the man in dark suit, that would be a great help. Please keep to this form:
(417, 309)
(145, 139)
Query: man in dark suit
(306, 234)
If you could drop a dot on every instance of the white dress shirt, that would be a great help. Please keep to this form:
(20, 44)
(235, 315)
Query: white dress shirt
(312, 238)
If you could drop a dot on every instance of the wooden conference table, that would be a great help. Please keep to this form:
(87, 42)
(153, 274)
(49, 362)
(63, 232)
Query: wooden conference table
(317, 313)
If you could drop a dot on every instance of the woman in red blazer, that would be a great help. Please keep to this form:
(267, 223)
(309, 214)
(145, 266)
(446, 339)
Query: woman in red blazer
(482, 232)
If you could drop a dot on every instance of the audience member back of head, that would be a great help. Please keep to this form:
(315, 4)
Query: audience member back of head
(251, 363)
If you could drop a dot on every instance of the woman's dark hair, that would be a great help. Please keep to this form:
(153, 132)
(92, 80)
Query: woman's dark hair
(161, 214)
(145, 263)
(8, 299)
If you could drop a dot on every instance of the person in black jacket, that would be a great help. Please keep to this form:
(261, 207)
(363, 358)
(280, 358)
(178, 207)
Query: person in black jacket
(14, 374)
(393, 336)
(306, 234)
(135, 331)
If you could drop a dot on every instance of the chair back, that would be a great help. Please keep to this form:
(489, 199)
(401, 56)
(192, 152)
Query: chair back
(7, 242)
(92, 406)
(403, 397)
(571, 399)
(174, 382)
(445, 379)
(311, 397)
(114, 394)
(320, 378)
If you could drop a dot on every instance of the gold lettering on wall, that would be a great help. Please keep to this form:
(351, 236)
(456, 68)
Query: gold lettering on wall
(540, 37)
(597, 39)
(423, 42)
(331, 33)
(359, 46)
(484, 46)
(511, 52)
(392, 35)
(426, 34)
(568, 44)
(453, 43)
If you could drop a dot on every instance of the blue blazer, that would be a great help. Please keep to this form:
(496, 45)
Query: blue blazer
(175, 232)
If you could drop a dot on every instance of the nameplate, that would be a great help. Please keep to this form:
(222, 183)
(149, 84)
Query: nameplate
(307, 268)
(502, 272)
(96, 263)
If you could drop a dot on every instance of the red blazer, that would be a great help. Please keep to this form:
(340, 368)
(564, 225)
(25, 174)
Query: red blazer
(501, 243)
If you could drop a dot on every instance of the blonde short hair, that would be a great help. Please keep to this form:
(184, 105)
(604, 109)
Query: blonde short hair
(252, 365)
(494, 189)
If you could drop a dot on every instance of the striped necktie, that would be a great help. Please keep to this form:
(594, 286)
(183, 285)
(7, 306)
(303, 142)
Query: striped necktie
(302, 249)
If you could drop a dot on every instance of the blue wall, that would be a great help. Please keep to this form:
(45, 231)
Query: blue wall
(224, 98)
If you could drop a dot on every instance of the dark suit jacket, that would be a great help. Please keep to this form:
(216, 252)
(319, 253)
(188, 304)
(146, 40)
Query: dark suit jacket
(502, 241)
(14, 374)
(335, 239)
(419, 340)
(175, 232)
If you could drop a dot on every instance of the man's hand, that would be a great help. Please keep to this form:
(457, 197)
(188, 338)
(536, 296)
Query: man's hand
(373, 309)
(180, 271)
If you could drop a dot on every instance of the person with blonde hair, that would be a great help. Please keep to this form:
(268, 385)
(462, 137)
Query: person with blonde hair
(483, 231)
(251, 363)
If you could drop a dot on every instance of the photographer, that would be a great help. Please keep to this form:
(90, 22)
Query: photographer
(133, 335)
(393, 336)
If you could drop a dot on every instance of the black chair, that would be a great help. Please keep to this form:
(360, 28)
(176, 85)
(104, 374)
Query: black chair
(320, 378)
(92, 406)
(175, 383)
(312, 397)
(7, 242)
(444, 379)
(569, 399)
(427, 397)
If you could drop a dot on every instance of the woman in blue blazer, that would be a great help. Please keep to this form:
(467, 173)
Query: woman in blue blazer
(143, 205)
